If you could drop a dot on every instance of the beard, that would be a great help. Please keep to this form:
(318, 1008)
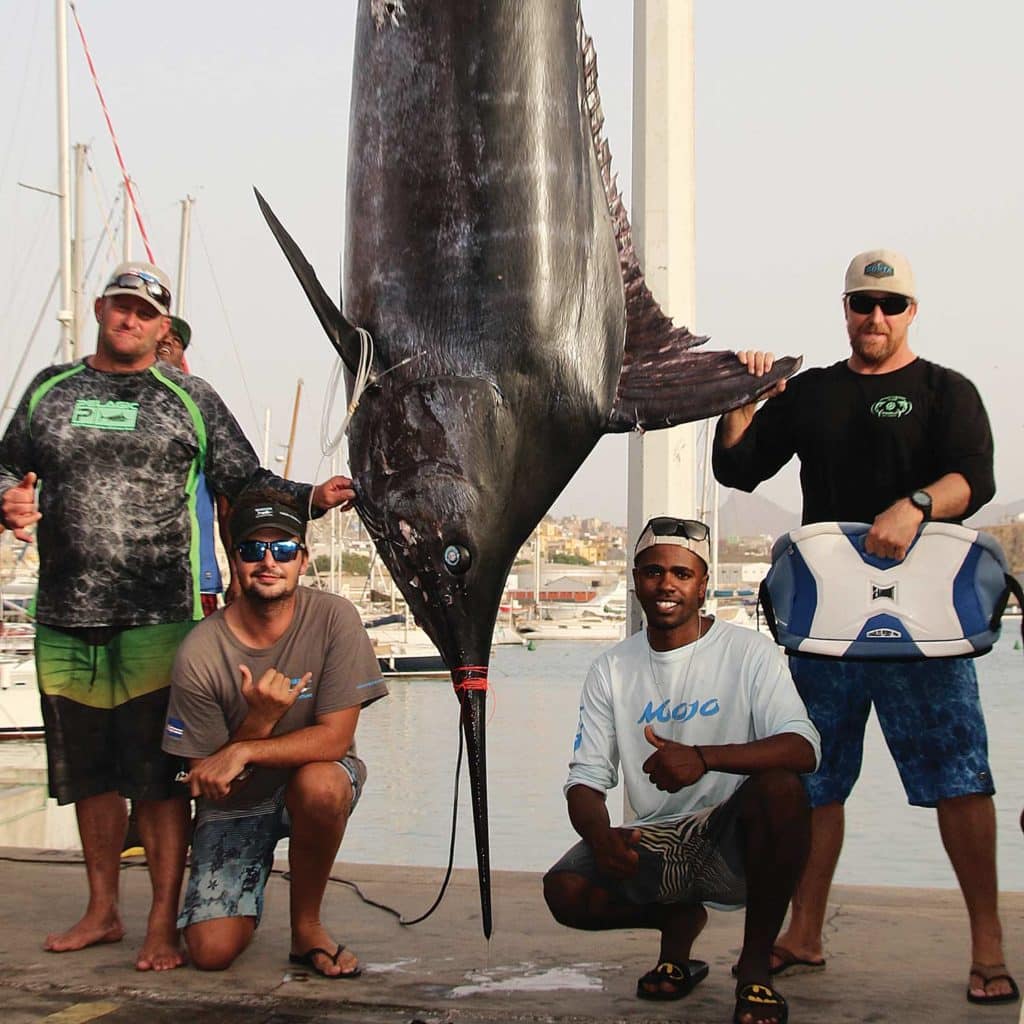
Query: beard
(874, 351)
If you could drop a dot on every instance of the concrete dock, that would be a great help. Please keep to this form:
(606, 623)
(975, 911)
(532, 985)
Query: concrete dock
(893, 955)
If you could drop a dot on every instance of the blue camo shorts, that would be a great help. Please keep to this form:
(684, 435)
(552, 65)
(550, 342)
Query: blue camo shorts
(697, 859)
(232, 857)
(931, 718)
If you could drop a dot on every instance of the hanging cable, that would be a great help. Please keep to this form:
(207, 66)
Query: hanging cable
(330, 443)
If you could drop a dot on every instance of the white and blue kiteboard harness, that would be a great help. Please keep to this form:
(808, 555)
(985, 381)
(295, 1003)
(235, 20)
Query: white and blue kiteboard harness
(825, 595)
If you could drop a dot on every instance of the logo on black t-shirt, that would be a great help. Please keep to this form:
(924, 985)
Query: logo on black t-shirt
(892, 407)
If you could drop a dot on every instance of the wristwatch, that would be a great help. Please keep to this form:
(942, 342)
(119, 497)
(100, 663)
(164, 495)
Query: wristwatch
(922, 501)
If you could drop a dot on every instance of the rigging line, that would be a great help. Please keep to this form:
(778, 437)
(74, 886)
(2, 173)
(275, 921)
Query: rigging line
(15, 124)
(113, 136)
(39, 321)
(25, 256)
(99, 245)
(28, 345)
(108, 232)
(197, 221)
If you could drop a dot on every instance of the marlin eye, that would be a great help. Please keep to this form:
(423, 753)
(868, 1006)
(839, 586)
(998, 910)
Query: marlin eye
(457, 559)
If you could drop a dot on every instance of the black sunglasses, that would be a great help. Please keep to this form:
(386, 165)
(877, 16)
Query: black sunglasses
(669, 526)
(138, 280)
(891, 305)
(282, 550)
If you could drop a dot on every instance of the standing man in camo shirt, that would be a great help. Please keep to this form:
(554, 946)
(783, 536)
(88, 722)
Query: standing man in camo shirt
(116, 443)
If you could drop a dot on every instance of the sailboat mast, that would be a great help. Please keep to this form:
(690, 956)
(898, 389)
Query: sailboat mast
(78, 254)
(186, 232)
(65, 311)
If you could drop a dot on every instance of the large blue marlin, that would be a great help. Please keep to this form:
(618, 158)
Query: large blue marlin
(489, 256)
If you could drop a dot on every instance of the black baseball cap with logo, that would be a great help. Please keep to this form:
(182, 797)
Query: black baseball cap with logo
(247, 519)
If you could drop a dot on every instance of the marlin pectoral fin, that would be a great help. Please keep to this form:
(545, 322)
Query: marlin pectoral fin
(666, 387)
(342, 334)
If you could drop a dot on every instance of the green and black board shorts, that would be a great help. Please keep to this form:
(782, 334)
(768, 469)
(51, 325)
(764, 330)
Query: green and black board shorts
(104, 697)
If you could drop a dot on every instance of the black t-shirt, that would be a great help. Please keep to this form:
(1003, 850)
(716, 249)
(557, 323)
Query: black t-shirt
(865, 440)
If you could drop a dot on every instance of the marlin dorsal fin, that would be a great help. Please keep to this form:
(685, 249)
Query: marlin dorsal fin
(662, 383)
(343, 335)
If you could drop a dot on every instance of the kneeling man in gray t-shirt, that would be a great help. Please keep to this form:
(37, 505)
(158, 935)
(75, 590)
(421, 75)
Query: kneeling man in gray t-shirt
(265, 697)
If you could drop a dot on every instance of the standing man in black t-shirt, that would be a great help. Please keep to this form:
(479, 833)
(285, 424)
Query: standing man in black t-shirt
(887, 438)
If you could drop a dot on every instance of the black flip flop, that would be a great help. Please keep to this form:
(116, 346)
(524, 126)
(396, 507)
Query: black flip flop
(1005, 997)
(307, 959)
(756, 999)
(683, 979)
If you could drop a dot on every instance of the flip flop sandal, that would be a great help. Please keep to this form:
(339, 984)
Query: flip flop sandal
(789, 963)
(758, 1000)
(682, 979)
(308, 959)
(1005, 997)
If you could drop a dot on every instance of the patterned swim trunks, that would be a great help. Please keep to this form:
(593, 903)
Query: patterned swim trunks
(233, 854)
(930, 714)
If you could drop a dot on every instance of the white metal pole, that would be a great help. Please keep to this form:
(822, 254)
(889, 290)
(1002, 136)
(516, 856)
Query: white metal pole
(537, 562)
(266, 438)
(64, 313)
(126, 231)
(183, 244)
(78, 255)
(662, 463)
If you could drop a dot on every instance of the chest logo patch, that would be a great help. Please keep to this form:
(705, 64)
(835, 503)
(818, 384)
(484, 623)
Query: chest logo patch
(892, 407)
(90, 412)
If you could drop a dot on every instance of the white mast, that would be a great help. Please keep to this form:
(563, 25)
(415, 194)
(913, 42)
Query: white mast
(126, 237)
(65, 312)
(78, 255)
(186, 231)
(661, 463)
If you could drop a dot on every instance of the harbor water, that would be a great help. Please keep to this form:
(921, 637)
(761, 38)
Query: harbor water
(410, 742)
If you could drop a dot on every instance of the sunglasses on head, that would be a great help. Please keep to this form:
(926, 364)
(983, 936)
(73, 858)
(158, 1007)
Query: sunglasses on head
(139, 280)
(669, 526)
(891, 305)
(281, 550)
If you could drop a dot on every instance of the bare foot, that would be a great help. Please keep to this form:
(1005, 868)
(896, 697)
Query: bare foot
(329, 964)
(160, 951)
(90, 931)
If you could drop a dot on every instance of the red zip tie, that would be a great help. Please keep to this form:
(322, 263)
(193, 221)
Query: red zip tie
(113, 137)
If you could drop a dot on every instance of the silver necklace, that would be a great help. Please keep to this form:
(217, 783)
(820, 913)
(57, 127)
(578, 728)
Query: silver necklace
(686, 671)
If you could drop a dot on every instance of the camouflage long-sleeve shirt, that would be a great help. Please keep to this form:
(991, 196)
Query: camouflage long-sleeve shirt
(117, 456)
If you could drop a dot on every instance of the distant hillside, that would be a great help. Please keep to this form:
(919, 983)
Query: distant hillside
(749, 515)
(994, 514)
(1011, 538)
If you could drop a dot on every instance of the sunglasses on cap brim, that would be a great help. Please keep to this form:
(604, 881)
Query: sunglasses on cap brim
(669, 526)
(138, 281)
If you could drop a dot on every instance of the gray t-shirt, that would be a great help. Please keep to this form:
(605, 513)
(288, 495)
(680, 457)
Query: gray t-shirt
(326, 637)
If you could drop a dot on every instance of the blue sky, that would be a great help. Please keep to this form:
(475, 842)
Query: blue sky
(821, 130)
